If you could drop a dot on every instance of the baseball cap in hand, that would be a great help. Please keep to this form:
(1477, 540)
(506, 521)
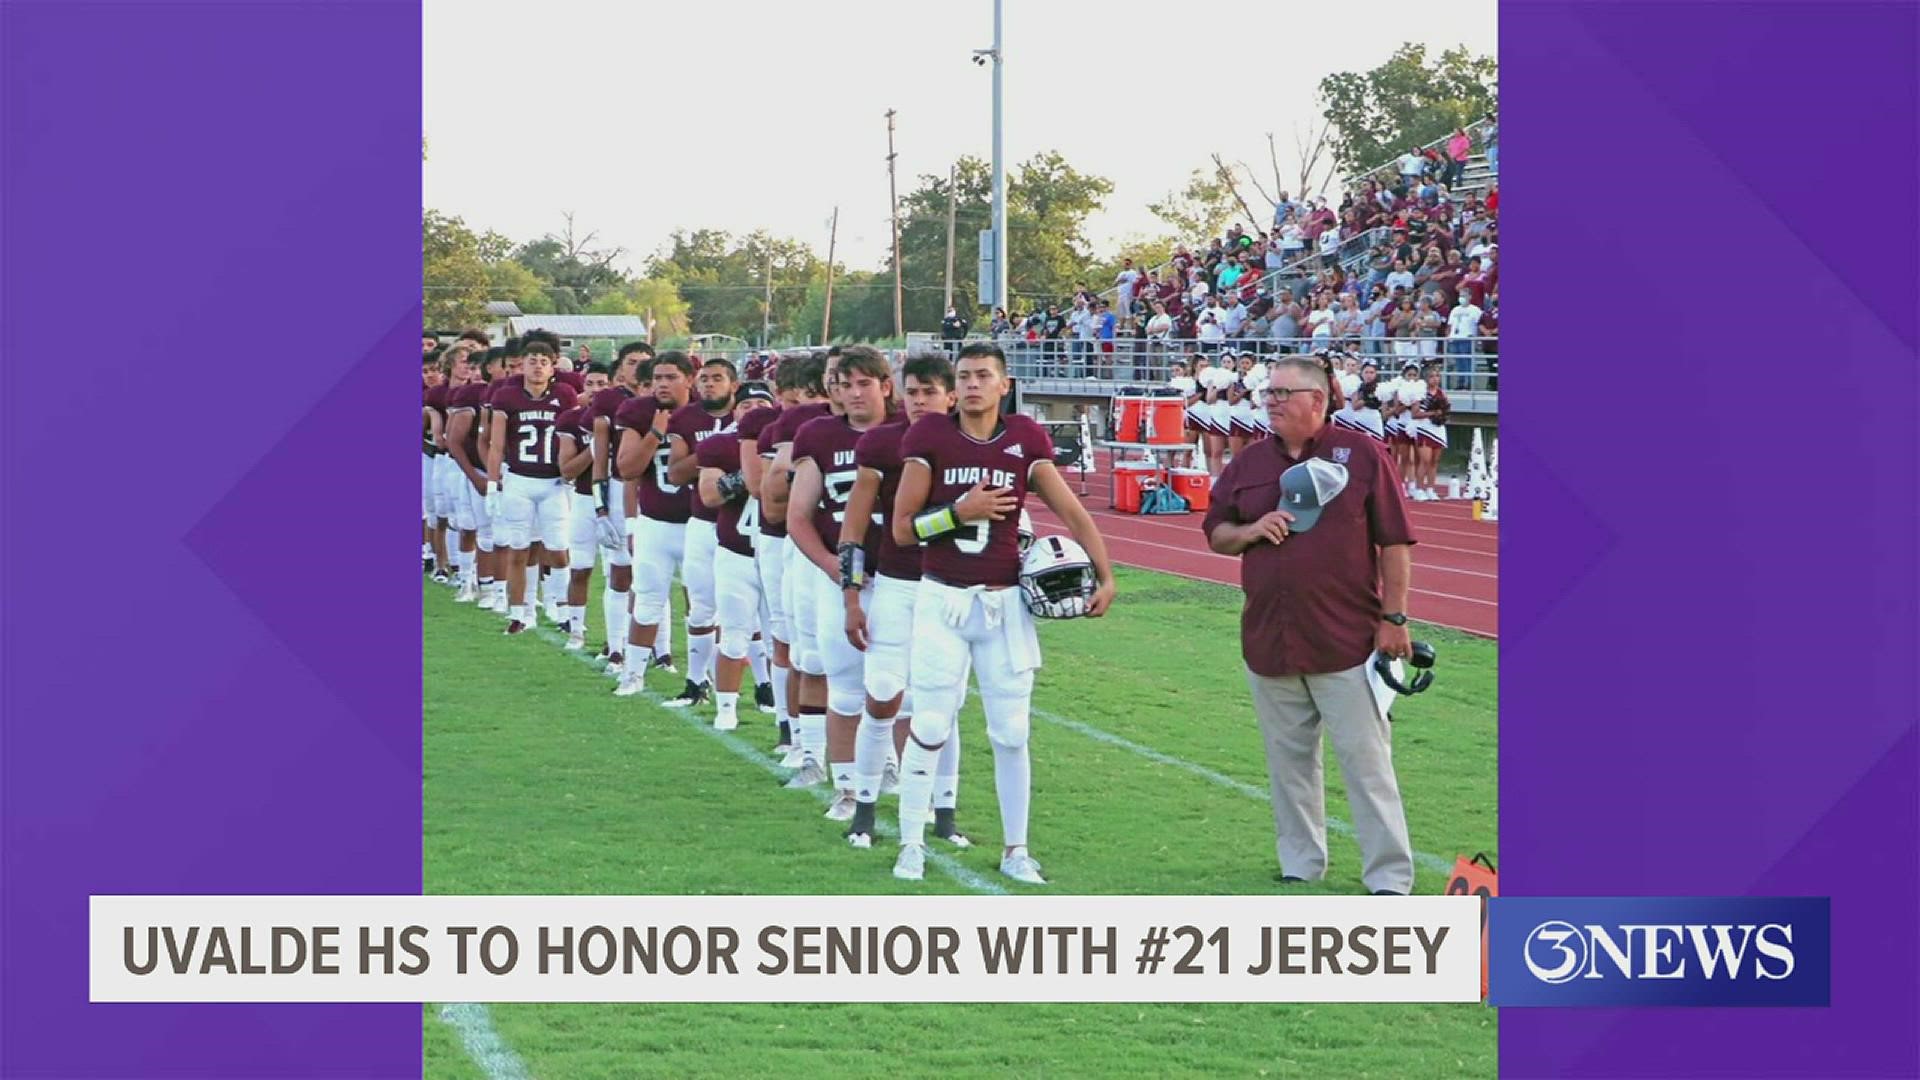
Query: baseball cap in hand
(1307, 488)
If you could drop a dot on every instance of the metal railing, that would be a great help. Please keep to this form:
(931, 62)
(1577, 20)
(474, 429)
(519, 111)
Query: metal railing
(1392, 167)
(1470, 365)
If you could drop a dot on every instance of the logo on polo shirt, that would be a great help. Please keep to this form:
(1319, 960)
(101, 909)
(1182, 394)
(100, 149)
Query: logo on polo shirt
(1016, 451)
(1341, 454)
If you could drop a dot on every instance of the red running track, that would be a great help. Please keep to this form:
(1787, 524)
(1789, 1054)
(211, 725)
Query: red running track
(1455, 563)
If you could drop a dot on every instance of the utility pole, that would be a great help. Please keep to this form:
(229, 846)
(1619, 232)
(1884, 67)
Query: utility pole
(999, 172)
(766, 310)
(826, 317)
(893, 195)
(952, 195)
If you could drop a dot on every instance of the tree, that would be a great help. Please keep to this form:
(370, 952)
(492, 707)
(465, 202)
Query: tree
(649, 298)
(724, 280)
(1048, 202)
(575, 271)
(1405, 102)
(1201, 210)
(454, 275)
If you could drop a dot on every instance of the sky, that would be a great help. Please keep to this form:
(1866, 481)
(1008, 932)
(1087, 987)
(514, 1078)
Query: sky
(746, 114)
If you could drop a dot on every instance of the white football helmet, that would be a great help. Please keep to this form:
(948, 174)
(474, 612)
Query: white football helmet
(1056, 578)
(1026, 531)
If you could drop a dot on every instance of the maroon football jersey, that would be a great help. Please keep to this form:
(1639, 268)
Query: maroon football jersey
(659, 500)
(758, 426)
(879, 450)
(470, 398)
(529, 448)
(983, 552)
(722, 451)
(781, 430)
(436, 399)
(607, 403)
(569, 426)
(692, 424)
(828, 442)
(575, 379)
(426, 425)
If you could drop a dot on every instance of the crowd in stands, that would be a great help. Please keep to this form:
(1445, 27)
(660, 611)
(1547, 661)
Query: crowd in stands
(1400, 267)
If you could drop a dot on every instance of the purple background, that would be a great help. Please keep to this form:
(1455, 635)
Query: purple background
(211, 641)
(212, 668)
(1708, 559)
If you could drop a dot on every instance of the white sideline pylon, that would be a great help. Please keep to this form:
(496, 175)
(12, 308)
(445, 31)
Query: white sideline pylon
(1477, 481)
(1492, 509)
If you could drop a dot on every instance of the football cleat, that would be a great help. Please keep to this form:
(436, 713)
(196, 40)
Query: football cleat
(841, 808)
(630, 684)
(692, 694)
(726, 721)
(664, 662)
(860, 840)
(1056, 578)
(763, 698)
(515, 627)
(440, 577)
(576, 640)
(911, 865)
(794, 758)
(468, 593)
(890, 779)
(811, 774)
(1020, 866)
(615, 662)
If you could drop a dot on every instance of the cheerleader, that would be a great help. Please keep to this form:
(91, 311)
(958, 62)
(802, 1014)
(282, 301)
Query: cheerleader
(1362, 411)
(1398, 400)
(1430, 435)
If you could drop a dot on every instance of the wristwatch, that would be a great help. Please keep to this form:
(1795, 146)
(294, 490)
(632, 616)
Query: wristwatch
(1397, 618)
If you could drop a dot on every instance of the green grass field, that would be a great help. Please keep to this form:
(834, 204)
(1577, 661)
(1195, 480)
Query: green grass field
(1147, 779)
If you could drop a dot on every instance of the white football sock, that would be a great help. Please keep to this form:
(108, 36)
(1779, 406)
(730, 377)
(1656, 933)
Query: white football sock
(842, 773)
(700, 656)
(532, 578)
(663, 639)
(577, 615)
(813, 733)
(916, 791)
(757, 660)
(871, 745)
(727, 704)
(780, 698)
(1013, 782)
(613, 608)
(946, 775)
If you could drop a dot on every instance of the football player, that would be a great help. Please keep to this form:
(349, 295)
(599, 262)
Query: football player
(529, 499)
(659, 532)
(433, 405)
(583, 534)
(738, 604)
(806, 683)
(686, 429)
(794, 382)
(461, 368)
(962, 487)
(823, 476)
(463, 442)
(883, 629)
(632, 375)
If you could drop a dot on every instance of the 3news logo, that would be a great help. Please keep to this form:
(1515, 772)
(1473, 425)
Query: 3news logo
(1639, 951)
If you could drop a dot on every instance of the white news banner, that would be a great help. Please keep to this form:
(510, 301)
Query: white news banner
(783, 948)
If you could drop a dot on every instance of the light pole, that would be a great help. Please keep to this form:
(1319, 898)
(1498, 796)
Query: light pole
(998, 55)
(999, 172)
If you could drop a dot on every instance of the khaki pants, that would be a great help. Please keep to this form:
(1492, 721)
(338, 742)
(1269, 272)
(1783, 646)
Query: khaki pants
(1292, 710)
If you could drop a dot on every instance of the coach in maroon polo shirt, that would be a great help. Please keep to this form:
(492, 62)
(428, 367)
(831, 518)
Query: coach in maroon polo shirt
(1320, 601)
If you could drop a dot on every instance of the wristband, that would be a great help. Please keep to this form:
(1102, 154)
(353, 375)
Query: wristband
(600, 493)
(935, 523)
(853, 566)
